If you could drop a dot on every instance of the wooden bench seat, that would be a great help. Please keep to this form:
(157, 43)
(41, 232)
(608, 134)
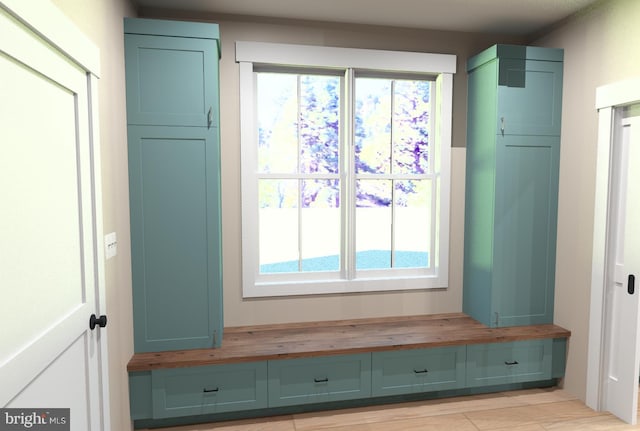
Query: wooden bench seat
(302, 340)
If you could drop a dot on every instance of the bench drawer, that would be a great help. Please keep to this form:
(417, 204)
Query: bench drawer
(208, 389)
(501, 363)
(411, 371)
(319, 379)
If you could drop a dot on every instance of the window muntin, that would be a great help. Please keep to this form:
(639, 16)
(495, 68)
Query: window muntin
(352, 151)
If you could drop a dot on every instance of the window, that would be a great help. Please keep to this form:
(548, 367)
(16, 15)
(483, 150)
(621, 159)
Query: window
(345, 169)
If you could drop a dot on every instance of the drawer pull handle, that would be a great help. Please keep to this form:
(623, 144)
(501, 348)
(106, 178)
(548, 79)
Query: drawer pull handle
(421, 371)
(511, 363)
(208, 391)
(325, 380)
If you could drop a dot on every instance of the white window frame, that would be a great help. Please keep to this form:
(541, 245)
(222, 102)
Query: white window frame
(442, 66)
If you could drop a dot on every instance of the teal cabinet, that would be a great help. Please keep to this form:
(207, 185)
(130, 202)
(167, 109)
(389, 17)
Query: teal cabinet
(505, 363)
(174, 183)
(320, 379)
(208, 389)
(200, 393)
(157, 93)
(414, 371)
(513, 152)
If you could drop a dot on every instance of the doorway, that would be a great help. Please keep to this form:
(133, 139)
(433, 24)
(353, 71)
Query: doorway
(612, 373)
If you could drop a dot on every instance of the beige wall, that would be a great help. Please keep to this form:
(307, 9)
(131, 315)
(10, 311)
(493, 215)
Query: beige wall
(101, 21)
(311, 308)
(600, 47)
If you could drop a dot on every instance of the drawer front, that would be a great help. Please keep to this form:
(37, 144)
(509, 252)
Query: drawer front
(210, 389)
(500, 363)
(411, 371)
(320, 379)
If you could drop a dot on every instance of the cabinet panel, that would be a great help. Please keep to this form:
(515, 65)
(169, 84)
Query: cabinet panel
(529, 97)
(525, 229)
(171, 81)
(175, 243)
(503, 363)
(321, 379)
(412, 371)
(210, 389)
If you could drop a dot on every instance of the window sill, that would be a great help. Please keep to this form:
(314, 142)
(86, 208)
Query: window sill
(328, 287)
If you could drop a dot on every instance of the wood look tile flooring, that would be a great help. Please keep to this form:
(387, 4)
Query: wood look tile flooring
(530, 410)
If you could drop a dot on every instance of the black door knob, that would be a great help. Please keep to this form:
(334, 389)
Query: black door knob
(99, 321)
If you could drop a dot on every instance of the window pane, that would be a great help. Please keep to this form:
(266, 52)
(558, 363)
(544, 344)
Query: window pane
(320, 225)
(373, 125)
(278, 225)
(411, 117)
(319, 123)
(412, 223)
(277, 114)
(373, 224)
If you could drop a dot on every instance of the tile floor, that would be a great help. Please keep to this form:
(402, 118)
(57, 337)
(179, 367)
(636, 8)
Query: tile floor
(531, 410)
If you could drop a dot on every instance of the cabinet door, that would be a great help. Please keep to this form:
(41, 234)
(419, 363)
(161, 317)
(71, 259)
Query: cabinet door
(414, 371)
(171, 81)
(208, 389)
(525, 230)
(175, 237)
(321, 379)
(529, 97)
(504, 363)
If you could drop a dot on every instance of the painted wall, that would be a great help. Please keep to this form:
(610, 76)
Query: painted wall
(327, 307)
(600, 46)
(101, 21)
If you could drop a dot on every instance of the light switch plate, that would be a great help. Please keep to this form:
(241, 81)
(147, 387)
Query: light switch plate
(110, 245)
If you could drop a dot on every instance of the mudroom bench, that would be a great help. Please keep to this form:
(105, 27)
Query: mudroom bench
(276, 369)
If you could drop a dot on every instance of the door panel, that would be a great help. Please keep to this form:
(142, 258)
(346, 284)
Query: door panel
(525, 229)
(540, 84)
(46, 389)
(621, 385)
(158, 94)
(48, 263)
(175, 219)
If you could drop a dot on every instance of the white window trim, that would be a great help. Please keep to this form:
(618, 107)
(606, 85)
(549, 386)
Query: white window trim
(443, 66)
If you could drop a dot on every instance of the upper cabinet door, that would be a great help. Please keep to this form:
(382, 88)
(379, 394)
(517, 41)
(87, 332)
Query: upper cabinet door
(529, 97)
(171, 81)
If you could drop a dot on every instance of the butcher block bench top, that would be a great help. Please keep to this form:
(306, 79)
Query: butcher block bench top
(303, 340)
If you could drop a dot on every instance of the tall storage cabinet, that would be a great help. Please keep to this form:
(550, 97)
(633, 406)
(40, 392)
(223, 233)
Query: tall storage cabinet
(513, 150)
(174, 183)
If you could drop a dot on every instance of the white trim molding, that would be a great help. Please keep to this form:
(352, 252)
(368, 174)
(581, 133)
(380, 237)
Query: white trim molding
(345, 62)
(343, 58)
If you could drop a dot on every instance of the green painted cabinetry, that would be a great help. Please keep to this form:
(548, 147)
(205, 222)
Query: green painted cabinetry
(414, 371)
(505, 363)
(320, 379)
(236, 390)
(174, 182)
(208, 389)
(513, 151)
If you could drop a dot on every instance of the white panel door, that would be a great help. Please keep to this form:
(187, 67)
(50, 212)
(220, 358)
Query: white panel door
(49, 358)
(621, 385)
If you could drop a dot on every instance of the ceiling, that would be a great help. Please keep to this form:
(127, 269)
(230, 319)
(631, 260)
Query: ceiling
(515, 17)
